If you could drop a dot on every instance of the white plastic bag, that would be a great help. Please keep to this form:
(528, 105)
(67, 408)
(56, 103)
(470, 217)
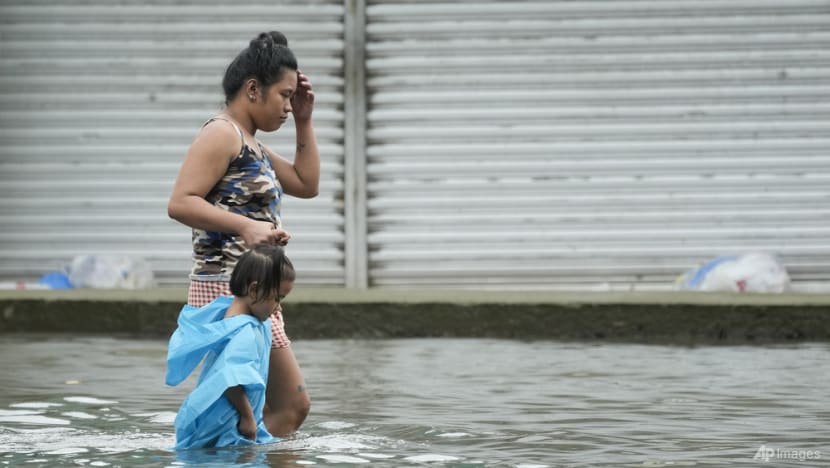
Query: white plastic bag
(756, 272)
(106, 271)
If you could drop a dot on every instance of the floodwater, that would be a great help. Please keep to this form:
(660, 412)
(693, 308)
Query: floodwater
(92, 401)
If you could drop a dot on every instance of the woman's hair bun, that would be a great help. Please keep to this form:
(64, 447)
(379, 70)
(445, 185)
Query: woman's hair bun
(267, 40)
(264, 59)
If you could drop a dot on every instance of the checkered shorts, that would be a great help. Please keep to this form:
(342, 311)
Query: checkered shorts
(202, 293)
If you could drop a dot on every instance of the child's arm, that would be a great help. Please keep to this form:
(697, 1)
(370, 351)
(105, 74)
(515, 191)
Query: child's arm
(247, 422)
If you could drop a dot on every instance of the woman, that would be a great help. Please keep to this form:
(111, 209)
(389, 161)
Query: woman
(229, 190)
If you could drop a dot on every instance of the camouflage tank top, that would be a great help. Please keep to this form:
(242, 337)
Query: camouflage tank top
(250, 188)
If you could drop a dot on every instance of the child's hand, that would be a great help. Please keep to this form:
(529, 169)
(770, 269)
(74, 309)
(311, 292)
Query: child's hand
(247, 427)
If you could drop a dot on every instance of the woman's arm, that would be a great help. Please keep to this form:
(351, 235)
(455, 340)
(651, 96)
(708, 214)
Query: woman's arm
(301, 178)
(206, 162)
(247, 422)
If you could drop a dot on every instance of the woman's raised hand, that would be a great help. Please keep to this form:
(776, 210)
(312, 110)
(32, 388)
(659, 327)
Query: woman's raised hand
(302, 102)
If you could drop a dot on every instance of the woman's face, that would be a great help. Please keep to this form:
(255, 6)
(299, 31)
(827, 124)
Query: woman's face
(273, 109)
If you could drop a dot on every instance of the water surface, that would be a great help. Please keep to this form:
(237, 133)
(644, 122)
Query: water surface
(92, 401)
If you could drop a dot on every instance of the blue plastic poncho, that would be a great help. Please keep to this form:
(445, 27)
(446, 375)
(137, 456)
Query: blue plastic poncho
(235, 352)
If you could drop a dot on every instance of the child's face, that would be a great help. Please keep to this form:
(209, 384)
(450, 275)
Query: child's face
(268, 305)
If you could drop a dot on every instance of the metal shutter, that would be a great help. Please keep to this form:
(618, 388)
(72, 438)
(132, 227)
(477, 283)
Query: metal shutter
(595, 144)
(100, 101)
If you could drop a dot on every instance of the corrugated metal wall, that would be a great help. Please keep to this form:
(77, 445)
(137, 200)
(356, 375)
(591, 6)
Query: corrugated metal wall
(595, 144)
(100, 100)
(551, 144)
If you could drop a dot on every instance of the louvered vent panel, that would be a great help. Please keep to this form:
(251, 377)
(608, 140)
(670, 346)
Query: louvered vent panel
(99, 102)
(595, 144)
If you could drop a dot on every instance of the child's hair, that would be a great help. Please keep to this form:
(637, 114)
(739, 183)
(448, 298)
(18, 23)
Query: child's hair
(265, 264)
(263, 59)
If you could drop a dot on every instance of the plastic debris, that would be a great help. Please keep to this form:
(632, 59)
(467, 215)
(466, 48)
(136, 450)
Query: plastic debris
(755, 272)
(105, 271)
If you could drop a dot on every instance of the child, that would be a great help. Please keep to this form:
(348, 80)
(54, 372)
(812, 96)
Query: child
(234, 333)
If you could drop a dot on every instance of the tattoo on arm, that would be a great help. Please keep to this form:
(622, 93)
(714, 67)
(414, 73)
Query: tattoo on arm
(300, 147)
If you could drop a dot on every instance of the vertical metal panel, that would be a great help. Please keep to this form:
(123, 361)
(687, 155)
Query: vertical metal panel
(100, 101)
(595, 144)
(354, 196)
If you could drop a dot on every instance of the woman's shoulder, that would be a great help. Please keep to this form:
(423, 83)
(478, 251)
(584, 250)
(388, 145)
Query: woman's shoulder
(220, 127)
(218, 138)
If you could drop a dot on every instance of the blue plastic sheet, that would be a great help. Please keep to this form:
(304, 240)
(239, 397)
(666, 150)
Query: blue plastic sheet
(235, 352)
(699, 275)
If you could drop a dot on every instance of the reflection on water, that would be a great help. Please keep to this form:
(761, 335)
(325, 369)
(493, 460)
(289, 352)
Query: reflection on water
(435, 402)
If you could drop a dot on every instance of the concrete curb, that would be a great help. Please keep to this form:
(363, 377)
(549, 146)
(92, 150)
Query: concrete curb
(677, 318)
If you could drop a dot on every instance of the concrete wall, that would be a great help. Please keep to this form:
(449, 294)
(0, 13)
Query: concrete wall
(677, 318)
